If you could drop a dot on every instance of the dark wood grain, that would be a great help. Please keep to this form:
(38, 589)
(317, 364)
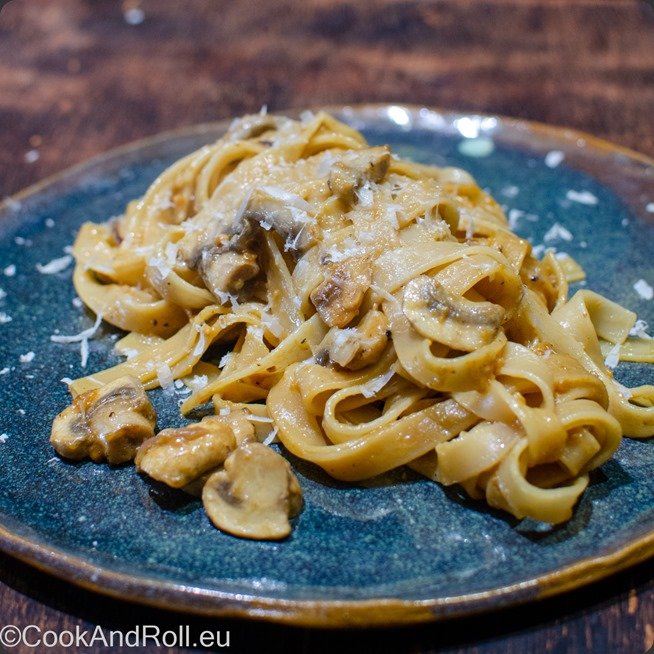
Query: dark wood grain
(76, 79)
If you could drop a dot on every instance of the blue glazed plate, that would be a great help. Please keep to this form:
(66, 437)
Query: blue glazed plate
(394, 551)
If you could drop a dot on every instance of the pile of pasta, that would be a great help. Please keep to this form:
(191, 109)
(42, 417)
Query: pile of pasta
(378, 312)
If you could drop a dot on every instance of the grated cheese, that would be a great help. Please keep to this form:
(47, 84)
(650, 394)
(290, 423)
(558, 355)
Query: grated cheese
(49, 223)
(375, 385)
(514, 216)
(510, 191)
(165, 376)
(254, 418)
(557, 231)
(197, 382)
(613, 357)
(10, 270)
(84, 352)
(4, 371)
(3, 438)
(27, 358)
(644, 289)
(200, 346)
(639, 330)
(76, 338)
(364, 195)
(582, 197)
(55, 266)
(553, 158)
(272, 437)
(4, 318)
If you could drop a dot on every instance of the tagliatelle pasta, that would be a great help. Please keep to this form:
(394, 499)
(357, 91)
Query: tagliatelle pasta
(378, 312)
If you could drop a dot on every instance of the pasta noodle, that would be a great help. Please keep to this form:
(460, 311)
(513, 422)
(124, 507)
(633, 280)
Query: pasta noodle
(379, 312)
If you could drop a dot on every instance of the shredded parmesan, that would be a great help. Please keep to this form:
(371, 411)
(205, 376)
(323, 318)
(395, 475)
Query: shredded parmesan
(55, 266)
(10, 270)
(82, 338)
(553, 158)
(27, 358)
(375, 385)
(510, 191)
(514, 216)
(84, 352)
(76, 338)
(364, 195)
(5, 371)
(3, 438)
(165, 376)
(4, 318)
(613, 357)
(557, 231)
(272, 436)
(582, 197)
(644, 289)
(197, 382)
(639, 330)
(254, 418)
(200, 346)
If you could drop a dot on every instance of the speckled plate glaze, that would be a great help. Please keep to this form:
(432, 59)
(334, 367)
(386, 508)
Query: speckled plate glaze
(396, 550)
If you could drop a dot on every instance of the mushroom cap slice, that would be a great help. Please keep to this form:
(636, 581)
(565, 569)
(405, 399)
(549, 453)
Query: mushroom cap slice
(451, 319)
(178, 457)
(254, 495)
(105, 423)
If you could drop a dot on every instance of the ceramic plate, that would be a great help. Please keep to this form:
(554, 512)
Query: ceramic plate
(398, 550)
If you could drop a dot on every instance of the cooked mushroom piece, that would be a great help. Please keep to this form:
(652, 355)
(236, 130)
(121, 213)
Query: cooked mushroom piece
(177, 457)
(225, 272)
(356, 168)
(338, 298)
(450, 319)
(105, 423)
(357, 347)
(254, 495)
(285, 213)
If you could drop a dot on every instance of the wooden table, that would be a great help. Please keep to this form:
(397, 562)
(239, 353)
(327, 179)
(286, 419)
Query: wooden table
(78, 77)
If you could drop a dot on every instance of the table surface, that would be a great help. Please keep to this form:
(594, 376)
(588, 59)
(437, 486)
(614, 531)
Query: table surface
(78, 77)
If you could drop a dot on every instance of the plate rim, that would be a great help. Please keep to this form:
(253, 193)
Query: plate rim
(383, 611)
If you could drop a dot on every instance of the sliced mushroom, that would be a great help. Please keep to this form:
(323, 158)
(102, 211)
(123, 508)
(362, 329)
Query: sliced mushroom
(254, 495)
(285, 213)
(452, 320)
(105, 423)
(356, 168)
(357, 347)
(338, 298)
(225, 272)
(177, 457)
